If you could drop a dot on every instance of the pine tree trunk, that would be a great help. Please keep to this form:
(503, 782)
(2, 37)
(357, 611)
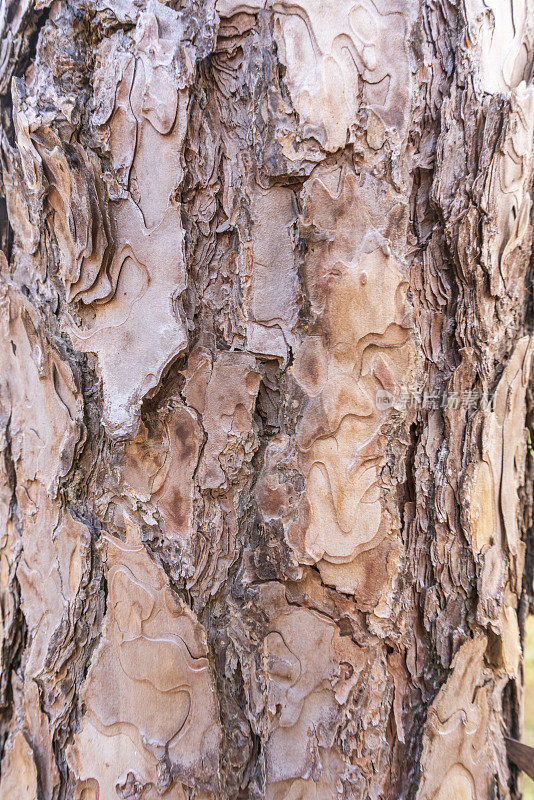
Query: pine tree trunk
(264, 391)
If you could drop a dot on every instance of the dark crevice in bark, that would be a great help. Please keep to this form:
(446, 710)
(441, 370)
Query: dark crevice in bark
(23, 53)
(528, 490)
(420, 524)
(16, 633)
(6, 231)
(241, 746)
(13, 648)
(510, 705)
(87, 633)
(28, 51)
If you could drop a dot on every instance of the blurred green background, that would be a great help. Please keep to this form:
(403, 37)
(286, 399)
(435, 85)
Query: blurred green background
(528, 735)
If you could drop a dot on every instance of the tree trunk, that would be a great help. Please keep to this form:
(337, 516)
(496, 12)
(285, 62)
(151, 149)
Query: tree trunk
(264, 386)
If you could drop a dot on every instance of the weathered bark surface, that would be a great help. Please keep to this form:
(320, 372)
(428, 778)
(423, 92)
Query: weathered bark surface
(265, 355)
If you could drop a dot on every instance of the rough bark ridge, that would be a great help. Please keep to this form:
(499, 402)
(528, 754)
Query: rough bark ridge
(237, 237)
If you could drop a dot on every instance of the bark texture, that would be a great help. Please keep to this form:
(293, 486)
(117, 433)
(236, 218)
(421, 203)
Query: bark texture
(264, 385)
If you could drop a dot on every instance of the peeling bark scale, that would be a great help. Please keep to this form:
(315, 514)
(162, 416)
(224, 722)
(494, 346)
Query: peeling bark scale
(265, 360)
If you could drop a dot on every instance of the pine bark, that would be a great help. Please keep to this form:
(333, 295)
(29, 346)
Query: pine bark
(265, 361)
